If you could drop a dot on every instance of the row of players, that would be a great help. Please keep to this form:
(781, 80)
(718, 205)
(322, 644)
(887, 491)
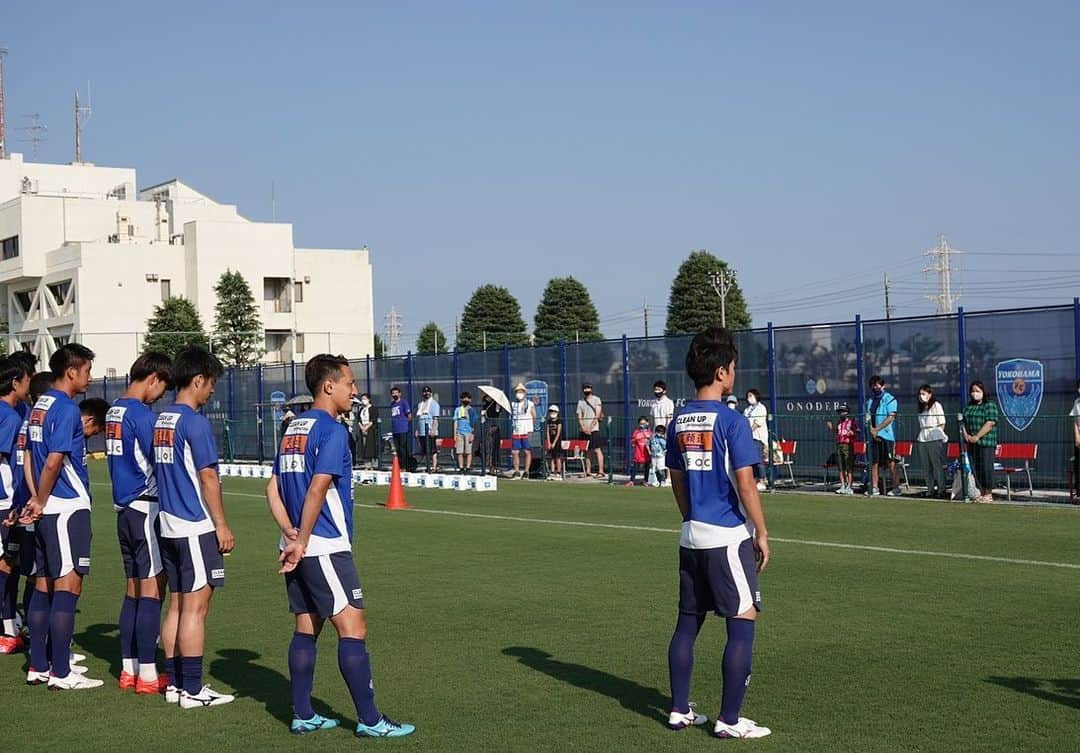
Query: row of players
(171, 525)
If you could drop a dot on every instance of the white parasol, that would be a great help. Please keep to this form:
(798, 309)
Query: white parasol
(497, 395)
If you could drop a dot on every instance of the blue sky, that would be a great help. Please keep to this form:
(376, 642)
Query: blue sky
(814, 146)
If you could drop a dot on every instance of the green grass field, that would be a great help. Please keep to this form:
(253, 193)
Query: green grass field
(496, 634)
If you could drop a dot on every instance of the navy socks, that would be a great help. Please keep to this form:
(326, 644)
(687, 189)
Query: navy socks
(302, 653)
(127, 630)
(737, 659)
(37, 619)
(61, 628)
(147, 628)
(355, 666)
(681, 659)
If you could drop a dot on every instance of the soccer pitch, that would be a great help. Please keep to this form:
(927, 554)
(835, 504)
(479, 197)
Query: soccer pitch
(538, 617)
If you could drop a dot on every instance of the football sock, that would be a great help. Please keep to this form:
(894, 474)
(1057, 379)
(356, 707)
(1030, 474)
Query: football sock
(128, 610)
(302, 652)
(6, 614)
(191, 669)
(37, 619)
(28, 594)
(174, 671)
(11, 594)
(355, 666)
(737, 658)
(147, 628)
(681, 659)
(61, 628)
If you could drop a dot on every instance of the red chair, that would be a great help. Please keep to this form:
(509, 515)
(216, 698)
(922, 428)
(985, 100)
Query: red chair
(577, 450)
(446, 443)
(903, 451)
(953, 451)
(787, 450)
(1016, 452)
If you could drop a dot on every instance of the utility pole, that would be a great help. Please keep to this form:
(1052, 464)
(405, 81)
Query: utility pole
(392, 323)
(645, 313)
(940, 262)
(722, 281)
(82, 114)
(3, 54)
(34, 133)
(888, 306)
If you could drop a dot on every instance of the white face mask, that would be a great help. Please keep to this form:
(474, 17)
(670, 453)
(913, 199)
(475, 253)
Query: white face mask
(751, 400)
(519, 395)
(976, 396)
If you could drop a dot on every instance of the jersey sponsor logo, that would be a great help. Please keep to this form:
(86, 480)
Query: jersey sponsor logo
(84, 562)
(292, 462)
(114, 431)
(294, 446)
(704, 421)
(165, 437)
(20, 443)
(694, 437)
(358, 593)
(218, 574)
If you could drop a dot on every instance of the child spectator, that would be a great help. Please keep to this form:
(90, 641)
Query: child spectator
(639, 444)
(846, 430)
(553, 437)
(658, 449)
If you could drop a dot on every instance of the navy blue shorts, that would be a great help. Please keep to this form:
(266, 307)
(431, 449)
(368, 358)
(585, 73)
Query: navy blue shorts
(137, 532)
(22, 548)
(324, 585)
(722, 580)
(520, 443)
(63, 544)
(193, 562)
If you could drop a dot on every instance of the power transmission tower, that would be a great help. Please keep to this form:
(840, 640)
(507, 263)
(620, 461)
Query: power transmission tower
(940, 260)
(34, 134)
(392, 323)
(722, 281)
(82, 114)
(3, 54)
(645, 314)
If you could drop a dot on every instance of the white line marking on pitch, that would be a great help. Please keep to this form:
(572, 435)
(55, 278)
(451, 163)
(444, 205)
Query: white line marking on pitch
(672, 531)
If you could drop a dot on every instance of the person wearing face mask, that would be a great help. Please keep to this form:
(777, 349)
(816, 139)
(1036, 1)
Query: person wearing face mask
(758, 416)
(465, 420)
(553, 436)
(881, 411)
(523, 417)
(639, 446)
(663, 408)
(427, 428)
(400, 417)
(590, 412)
(1074, 414)
(490, 415)
(980, 434)
(367, 432)
(932, 441)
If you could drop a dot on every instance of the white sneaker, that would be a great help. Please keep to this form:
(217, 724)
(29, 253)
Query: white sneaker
(172, 694)
(762, 486)
(77, 669)
(36, 678)
(77, 658)
(677, 720)
(842, 490)
(73, 682)
(205, 697)
(745, 728)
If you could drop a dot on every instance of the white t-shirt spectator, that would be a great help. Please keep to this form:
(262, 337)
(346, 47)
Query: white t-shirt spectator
(758, 416)
(588, 413)
(663, 410)
(932, 424)
(523, 413)
(1075, 412)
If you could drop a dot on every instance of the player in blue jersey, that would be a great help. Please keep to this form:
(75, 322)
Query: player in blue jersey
(724, 544)
(129, 448)
(14, 390)
(193, 533)
(60, 509)
(310, 497)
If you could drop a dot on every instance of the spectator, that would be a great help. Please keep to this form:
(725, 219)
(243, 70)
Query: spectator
(639, 446)
(881, 416)
(662, 406)
(1075, 414)
(553, 436)
(523, 415)
(980, 435)
(427, 429)
(758, 416)
(465, 420)
(732, 402)
(286, 419)
(367, 429)
(490, 415)
(658, 449)
(846, 432)
(400, 418)
(932, 442)
(590, 412)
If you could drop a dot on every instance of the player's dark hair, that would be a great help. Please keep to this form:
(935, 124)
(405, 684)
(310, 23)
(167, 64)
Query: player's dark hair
(25, 356)
(40, 383)
(192, 361)
(661, 384)
(70, 356)
(11, 370)
(710, 350)
(923, 407)
(972, 386)
(96, 408)
(876, 381)
(322, 367)
(150, 363)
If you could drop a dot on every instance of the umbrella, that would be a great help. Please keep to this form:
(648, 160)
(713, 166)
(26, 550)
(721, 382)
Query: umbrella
(497, 395)
(300, 400)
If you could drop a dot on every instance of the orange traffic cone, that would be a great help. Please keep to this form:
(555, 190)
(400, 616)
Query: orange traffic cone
(396, 499)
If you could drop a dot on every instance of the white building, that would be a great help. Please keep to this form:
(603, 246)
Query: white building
(86, 257)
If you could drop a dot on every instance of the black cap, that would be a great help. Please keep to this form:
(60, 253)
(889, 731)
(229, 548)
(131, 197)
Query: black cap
(842, 408)
(587, 386)
(426, 389)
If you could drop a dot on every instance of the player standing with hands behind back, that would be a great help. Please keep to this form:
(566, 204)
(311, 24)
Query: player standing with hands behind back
(310, 497)
(724, 543)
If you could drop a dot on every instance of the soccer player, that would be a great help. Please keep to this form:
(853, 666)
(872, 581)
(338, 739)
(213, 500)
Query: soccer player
(310, 497)
(92, 414)
(193, 531)
(14, 390)
(129, 448)
(724, 543)
(60, 509)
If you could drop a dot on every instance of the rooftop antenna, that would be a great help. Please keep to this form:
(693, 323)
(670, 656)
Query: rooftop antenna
(3, 54)
(82, 114)
(35, 133)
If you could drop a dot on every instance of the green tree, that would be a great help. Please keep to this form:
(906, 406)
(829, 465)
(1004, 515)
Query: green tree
(175, 323)
(694, 305)
(566, 312)
(238, 333)
(431, 339)
(379, 346)
(492, 318)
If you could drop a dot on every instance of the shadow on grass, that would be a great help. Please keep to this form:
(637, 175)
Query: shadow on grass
(237, 667)
(102, 641)
(1063, 691)
(648, 702)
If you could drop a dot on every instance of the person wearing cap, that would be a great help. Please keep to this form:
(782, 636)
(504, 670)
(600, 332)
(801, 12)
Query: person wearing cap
(553, 436)
(846, 431)
(590, 412)
(523, 419)
(732, 402)
(427, 428)
(465, 419)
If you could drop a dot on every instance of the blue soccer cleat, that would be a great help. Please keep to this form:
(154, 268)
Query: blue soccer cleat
(314, 724)
(386, 727)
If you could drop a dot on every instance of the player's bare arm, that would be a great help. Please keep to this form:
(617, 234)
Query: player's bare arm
(313, 504)
(211, 489)
(679, 490)
(751, 501)
(277, 510)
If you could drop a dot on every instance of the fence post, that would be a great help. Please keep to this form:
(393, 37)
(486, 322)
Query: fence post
(457, 375)
(771, 351)
(961, 350)
(409, 387)
(506, 369)
(258, 409)
(860, 395)
(1076, 338)
(367, 375)
(292, 378)
(105, 388)
(562, 380)
(626, 404)
(229, 416)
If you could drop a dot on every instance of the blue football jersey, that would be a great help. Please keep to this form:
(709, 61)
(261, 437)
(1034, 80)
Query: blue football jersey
(55, 425)
(183, 446)
(129, 448)
(11, 465)
(22, 491)
(709, 442)
(314, 444)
